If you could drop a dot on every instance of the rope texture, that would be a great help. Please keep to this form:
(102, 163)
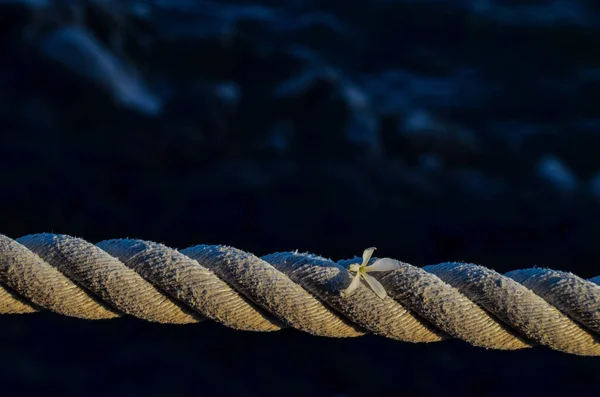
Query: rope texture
(150, 281)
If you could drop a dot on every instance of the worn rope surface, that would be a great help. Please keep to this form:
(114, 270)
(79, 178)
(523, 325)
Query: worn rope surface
(519, 309)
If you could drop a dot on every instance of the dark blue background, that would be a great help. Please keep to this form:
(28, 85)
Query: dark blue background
(434, 130)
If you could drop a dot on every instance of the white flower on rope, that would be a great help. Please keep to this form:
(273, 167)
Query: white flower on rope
(380, 265)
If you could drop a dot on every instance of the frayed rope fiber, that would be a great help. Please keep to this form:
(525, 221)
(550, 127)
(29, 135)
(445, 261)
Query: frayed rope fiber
(150, 281)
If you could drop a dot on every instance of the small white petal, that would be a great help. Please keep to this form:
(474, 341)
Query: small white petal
(355, 267)
(367, 255)
(353, 285)
(383, 265)
(375, 285)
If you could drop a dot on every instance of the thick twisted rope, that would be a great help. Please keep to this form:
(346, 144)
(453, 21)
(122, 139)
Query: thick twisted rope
(519, 309)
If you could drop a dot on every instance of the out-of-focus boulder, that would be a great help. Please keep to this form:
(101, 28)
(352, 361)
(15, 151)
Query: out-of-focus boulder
(82, 54)
(475, 184)
(279, 136)
(593, 186)
(423, 132)
(332, 116)
(556, 173)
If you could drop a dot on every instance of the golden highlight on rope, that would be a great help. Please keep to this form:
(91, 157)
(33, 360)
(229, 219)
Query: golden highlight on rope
(348, 298)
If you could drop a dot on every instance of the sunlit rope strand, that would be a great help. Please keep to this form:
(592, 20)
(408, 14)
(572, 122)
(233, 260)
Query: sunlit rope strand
(150, 281)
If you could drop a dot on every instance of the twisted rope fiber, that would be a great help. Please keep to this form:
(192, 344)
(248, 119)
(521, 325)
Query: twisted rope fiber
(519, 309)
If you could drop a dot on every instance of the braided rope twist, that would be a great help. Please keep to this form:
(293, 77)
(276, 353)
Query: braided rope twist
(150, 281)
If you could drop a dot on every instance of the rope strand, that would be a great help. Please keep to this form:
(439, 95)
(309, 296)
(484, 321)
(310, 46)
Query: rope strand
(523, 308)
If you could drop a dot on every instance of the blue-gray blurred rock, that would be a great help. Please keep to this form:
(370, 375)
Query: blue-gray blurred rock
(557, 174)
(332, 115)
(593, 186)
(460, 104)
(84, 56)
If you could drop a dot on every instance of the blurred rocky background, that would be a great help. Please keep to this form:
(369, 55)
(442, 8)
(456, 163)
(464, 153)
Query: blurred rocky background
(434, 130)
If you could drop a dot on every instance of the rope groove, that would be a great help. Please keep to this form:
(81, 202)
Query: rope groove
(520, 309)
